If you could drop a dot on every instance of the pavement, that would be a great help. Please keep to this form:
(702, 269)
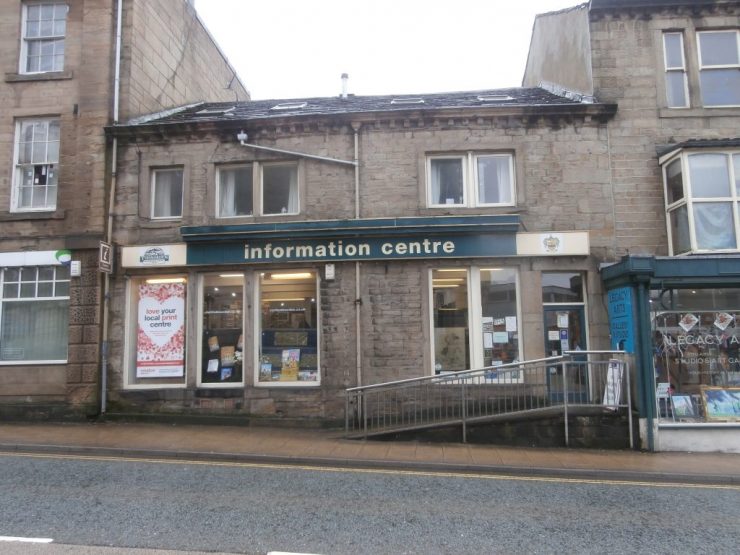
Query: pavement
(328, 448)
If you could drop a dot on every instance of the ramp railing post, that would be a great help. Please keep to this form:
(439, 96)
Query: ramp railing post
(565, 398)
(464, 412)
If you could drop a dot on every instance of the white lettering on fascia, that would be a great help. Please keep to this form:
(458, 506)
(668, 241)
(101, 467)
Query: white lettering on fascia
(337, 249)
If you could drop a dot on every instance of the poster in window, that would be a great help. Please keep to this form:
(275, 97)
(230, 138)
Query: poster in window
(291, 358)
(160, 343)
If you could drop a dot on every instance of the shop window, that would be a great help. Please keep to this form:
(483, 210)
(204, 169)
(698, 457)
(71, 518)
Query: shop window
(719, 67)
(702, 190)
(167, 197)
(36, 173)
(474, 318)
(156, 332)
(44, 29)
(470, 180)
(235, 191)
(677, 93)
(696, 354)
(222, 347)
(288, 339)
(34, 313)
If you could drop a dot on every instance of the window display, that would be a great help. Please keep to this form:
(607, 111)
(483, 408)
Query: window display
(288, 350)
(696, 348)
(222, 344)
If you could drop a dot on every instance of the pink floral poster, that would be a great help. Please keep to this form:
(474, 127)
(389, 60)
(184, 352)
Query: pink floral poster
(160, 344)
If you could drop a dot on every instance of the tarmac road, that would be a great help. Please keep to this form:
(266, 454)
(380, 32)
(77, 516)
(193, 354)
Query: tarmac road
(250, 508)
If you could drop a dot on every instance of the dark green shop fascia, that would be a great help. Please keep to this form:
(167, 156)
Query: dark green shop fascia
(345, 240)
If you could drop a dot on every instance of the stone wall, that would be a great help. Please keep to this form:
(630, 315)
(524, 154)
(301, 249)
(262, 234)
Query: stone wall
(169, 59)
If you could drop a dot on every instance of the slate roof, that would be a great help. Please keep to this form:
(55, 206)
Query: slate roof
(266, 109)
(596, 5)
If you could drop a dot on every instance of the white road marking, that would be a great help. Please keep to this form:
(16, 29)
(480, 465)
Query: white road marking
(25, 540)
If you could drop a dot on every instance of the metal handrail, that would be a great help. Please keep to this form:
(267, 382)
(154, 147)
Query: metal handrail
(547, 385)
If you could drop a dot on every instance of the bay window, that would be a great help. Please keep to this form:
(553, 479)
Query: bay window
(34, 313)
(702, 191)
(470, 179)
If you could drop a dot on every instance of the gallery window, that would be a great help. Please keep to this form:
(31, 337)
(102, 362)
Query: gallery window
(44, 28)
(167, 193)
(676, 84)
(702, 191)
(696, 354)
(287, 342)
(222, 344)
(719, 67)
(470, 179)
(34, 313)
(156, 332)
(475, 318)
(36, 175)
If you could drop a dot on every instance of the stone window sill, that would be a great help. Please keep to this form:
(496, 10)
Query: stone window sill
(48, 76)
(31, 216)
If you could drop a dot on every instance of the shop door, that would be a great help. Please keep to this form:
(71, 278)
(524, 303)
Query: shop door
(565, 331)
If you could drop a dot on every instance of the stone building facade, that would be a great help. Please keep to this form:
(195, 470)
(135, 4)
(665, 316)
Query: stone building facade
(58, 91)
(673, 68)
(313, 244)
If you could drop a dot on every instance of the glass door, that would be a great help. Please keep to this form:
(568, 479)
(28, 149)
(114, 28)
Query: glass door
(565, 331)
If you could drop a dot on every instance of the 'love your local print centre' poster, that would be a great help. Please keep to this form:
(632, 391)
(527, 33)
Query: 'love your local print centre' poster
(160, 344)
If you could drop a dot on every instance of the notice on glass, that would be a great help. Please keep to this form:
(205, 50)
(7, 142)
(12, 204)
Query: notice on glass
(562, 319)
(487, 340)
(160, 338)
(553, 335)
(500, 337)
(511, 323)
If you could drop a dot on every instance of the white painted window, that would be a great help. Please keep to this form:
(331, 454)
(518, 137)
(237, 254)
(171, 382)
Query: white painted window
(676, 85)
(719, 67)
(702, 195)
(44, 29)
(34, 314)
(167, 193)
(475, 318)
(36, 175)
(470, 179)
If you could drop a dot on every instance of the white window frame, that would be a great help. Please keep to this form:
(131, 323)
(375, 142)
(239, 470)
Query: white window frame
(689, 199)
(155, 172)
(219, 169)
(201, 298)
(471, 194)
(257, 335)
(475, 315)
(18, 168)
(25, 40)
(260, 208)
(3, 300)
(676, 69)
(703, 67)
(130, 340)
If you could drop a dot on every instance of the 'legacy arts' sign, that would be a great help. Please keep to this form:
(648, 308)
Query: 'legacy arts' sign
(371, 248)
(160, 345)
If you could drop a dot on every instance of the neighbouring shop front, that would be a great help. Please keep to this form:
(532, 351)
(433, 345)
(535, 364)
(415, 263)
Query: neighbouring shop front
(682, 323)
(268, 319)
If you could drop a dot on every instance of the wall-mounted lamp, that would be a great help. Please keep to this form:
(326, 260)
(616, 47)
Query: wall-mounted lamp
(242, 136)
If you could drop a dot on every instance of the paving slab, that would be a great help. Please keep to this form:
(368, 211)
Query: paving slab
(329, 448)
